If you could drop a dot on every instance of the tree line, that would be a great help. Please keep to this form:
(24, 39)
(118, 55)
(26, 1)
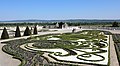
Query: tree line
(53, 23)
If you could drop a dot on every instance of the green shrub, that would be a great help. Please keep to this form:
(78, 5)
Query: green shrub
(35, 30)
(27, 31)
(4, 34)
(17, 32)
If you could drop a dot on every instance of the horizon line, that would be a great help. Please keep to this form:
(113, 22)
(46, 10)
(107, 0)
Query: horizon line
(68, 19)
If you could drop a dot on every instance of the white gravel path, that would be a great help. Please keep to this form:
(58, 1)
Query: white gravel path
(113, 55)
(7, 60)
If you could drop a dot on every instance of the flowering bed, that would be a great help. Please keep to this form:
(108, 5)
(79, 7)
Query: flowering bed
(86, 47)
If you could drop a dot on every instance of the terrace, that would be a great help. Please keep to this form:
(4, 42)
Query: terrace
(85, 47)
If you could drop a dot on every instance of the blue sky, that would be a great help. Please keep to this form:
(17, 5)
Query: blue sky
(59, 9)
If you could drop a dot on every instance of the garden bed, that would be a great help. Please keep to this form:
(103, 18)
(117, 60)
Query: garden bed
(86, 47)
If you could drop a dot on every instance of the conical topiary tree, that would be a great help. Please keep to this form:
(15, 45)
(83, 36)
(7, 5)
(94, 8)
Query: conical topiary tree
(60, 24)
(35, 30)
(27, 31)
(4, 34)
(17, 32)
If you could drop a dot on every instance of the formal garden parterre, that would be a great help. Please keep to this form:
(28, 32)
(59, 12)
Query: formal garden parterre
(85, 47)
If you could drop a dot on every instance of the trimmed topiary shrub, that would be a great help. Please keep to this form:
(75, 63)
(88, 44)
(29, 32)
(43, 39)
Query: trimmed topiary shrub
(35, 30)
(27, 31)
(4, 34)
(17, 32)
(61, 24)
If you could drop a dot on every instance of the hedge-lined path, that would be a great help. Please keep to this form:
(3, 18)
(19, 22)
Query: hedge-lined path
(113, 55)
(6, 59)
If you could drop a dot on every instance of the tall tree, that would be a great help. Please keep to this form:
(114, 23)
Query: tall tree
(35, 30)
(115, 24)
(27, 31)
(17, 32)
(4, 34)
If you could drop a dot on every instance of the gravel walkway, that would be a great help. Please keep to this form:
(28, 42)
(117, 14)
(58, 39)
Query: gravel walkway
(113, 55)
(7, 60)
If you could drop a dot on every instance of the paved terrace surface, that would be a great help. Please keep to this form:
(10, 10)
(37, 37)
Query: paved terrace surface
(7, 60)
(113, 55)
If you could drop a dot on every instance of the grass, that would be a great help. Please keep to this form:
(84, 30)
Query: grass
(94, 34)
